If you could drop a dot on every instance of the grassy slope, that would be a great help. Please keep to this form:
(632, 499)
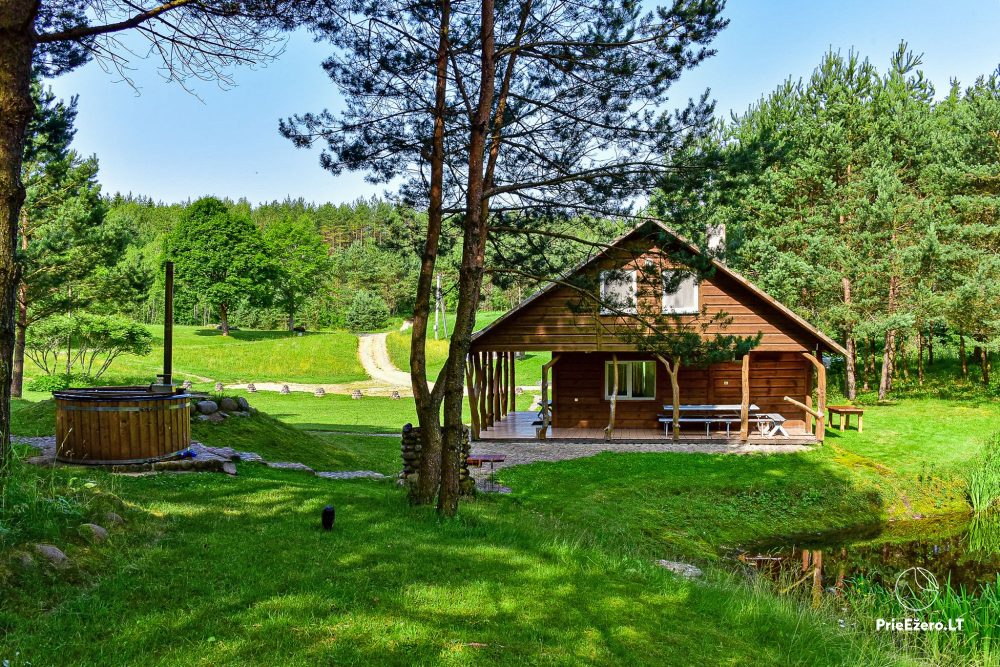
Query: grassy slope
(248, 356)
(238, 572)
(529, 369)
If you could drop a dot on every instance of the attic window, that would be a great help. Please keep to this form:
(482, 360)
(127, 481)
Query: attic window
(618, 292)
(680, 293)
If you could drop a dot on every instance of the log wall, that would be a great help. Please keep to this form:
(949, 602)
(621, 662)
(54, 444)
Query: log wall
(578, 389)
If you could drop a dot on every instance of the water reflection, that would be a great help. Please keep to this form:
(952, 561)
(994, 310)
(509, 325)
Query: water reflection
(962, 550)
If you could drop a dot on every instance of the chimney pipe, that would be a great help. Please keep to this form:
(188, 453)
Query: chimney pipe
(168, 326)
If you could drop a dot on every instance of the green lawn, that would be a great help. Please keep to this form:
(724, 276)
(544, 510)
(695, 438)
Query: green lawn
(528, 369)
(220, 570)
(230, 571)
(246, 356)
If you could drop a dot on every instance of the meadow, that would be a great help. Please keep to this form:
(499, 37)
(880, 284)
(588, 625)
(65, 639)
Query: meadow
(210, 569)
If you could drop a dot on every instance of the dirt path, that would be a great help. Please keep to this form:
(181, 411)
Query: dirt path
(375, 360)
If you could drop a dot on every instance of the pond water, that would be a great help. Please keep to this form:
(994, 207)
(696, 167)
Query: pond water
(963, 550)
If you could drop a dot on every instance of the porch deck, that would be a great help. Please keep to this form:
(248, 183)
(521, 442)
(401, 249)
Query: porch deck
(522, 425)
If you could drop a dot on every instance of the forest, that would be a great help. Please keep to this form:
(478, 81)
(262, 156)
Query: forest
(860, 197)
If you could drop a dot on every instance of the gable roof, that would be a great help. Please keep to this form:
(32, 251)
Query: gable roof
(787, 312)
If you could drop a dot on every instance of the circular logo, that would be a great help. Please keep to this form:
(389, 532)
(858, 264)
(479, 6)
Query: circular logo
(916, 589)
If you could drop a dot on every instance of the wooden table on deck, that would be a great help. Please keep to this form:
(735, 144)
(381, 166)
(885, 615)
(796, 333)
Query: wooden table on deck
(708, 413)
(845, 412)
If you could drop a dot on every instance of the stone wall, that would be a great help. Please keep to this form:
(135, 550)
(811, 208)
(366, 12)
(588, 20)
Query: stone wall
(410, 450)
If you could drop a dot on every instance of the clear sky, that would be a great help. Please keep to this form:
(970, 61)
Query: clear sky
(170, 145)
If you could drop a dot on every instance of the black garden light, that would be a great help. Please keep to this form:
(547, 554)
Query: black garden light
(329, 514)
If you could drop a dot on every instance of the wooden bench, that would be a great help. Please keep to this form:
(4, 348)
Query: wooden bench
(845, 412)
(775, 420)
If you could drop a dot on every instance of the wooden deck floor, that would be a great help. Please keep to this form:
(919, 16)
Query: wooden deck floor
(521, 426)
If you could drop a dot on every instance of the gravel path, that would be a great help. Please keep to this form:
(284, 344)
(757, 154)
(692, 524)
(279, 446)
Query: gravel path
(375, 360)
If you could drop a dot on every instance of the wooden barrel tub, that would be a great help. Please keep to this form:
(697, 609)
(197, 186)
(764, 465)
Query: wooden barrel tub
(98, 425)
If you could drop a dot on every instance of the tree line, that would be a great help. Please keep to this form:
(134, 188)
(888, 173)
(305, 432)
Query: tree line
(867, 202)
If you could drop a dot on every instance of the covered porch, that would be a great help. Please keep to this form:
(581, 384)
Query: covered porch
(525, 425)
(577, 405)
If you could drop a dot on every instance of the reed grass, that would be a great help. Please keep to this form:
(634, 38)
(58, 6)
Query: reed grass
(983, 477)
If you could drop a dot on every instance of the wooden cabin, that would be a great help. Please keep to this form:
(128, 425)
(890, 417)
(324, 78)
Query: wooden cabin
(778, 377)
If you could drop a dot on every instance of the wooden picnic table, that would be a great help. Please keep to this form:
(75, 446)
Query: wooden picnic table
(845, 412)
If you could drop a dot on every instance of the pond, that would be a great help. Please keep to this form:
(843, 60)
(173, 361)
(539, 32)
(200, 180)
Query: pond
(962, 549)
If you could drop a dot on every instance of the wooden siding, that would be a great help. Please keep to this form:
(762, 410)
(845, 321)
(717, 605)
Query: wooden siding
(578, 389)
(562, 320)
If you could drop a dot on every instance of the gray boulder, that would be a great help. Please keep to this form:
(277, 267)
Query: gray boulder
(54, 555)
(113, 519)
(243, 404)
(682, 569)
(94, 532)
(228, 405)
(207, 407)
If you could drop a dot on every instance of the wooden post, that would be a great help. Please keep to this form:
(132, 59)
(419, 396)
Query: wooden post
(545, 396)
(501, 384)
(809, 417)
(497, 382)
(480, 390)
(609, 429)
(820, 395)
(512, 384)
(488, 363)
(745, 398)
(470, 387)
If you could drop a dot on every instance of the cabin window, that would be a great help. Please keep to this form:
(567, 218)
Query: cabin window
(636, 380)
(683, 299)
(618, 290)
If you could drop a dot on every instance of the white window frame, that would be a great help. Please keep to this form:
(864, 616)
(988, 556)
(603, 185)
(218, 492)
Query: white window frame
(635, 291)
(627, 380)
(687, 310)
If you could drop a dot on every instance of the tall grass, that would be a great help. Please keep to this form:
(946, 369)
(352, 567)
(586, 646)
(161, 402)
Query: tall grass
(977, 643)
(43, 503)
(983, 478)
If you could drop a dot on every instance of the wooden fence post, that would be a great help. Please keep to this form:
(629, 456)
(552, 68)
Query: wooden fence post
(470, 387)
(609, 429)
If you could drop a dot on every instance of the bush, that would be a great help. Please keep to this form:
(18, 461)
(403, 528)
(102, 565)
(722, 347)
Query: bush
(50, 382)
(96, 341)
(367, 312)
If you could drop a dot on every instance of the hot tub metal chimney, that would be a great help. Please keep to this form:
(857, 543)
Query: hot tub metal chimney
(164, 381)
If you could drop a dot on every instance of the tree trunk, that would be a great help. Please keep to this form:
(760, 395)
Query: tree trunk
(16, 45)
(851, 382)
(962, 357)
(889, 353)
(17, 382)
(224, 318)
(291, 320)
(675, 392)
(920, 359)
(428, 402)
(930, 347)
(470, 276)
(984, 364)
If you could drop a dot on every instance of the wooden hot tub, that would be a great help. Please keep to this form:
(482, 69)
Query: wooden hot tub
(120, 424)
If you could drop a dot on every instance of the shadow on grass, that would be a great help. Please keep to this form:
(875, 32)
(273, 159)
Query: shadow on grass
(254, 335)
(242, 574)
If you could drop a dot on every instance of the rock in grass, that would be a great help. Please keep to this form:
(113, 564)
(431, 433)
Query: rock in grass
(229, 468)
(683, 569)
(228, 405)
(26, 561)
(207, 407)
(94, 532)
(289, 465)
(243, 404)
(54, 555)
(113, 519)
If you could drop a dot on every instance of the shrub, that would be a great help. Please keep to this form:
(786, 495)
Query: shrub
(50, 382)
(367, 312)
(983, 478)
(97, 340)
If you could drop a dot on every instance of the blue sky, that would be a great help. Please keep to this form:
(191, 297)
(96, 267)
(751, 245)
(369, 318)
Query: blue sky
(170, 145)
